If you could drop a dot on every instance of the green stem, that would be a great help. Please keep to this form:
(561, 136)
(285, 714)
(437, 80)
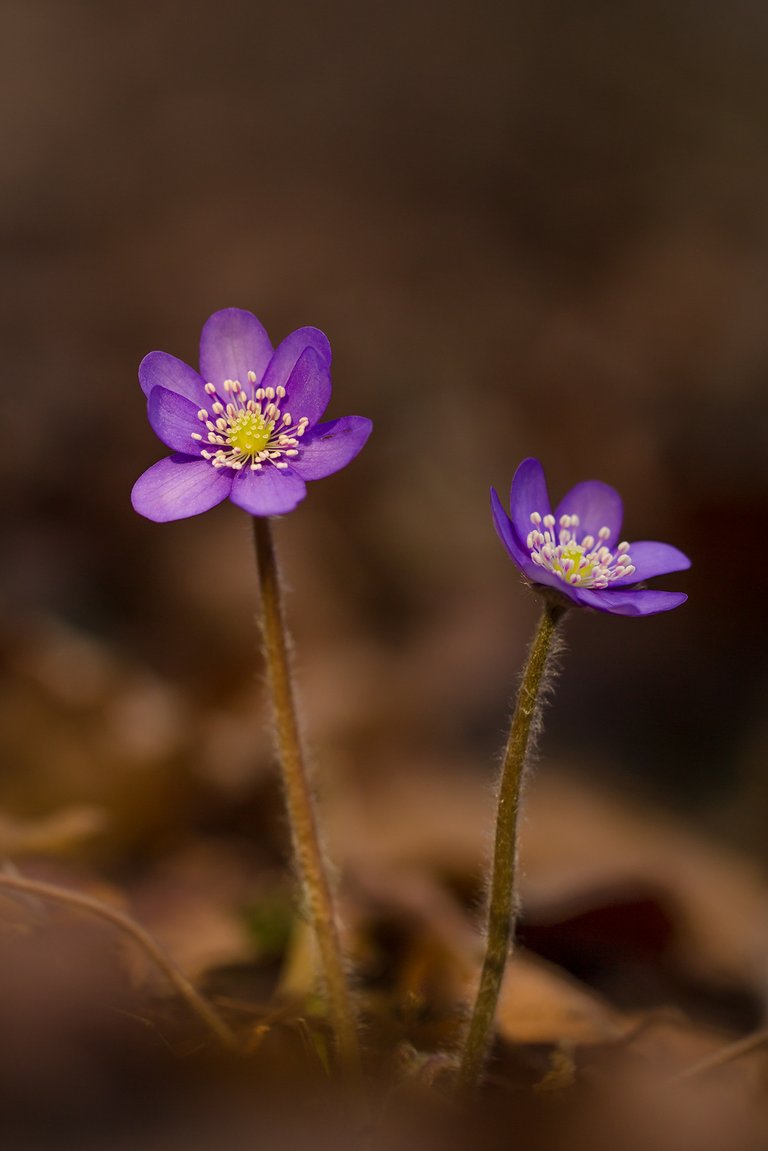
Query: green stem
(299, 802)
(502, 901)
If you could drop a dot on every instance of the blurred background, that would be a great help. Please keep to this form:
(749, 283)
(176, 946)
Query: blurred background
(528, 229)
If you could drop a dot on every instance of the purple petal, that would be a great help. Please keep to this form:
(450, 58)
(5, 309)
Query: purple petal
(232, 344)
(174, 419)
(529, 494)
(329, 447)
(161, 370)
(269, 492)
(287, 353)
(179, 486)
(640, 601)
(650, 559)
(508, 537)
(597, 505)
(308, 388)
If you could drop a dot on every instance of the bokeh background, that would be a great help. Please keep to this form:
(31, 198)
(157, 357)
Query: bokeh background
(528, 229)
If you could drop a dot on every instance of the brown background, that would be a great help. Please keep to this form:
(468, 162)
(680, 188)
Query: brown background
(528, 228)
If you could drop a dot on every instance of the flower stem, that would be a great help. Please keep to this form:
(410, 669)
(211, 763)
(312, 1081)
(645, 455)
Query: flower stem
(299, 802)
(502, 900)
(54, 894)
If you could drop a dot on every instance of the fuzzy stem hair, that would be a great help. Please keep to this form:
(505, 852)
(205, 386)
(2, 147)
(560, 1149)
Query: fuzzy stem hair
(502, 898)
(307, 849)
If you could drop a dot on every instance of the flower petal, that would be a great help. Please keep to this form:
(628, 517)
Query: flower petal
(640, 601)
(161, 370)
(287, 353)
(232, 344)
(174, 419)
(308, 387)
(597, 505)
(179, 486)
(649, 559)
(508, 537)
(269, 492)
(528, 494)
(329, 447)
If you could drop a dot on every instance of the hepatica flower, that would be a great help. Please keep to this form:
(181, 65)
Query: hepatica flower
(245, 427)
(577, 549)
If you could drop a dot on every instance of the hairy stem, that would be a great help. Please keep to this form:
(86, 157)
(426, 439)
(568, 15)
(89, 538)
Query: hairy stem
(299, 802)
(54, 894)
(502, 899)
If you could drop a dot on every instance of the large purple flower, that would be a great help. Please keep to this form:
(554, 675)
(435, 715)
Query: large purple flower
(577, 551)
(246, 427)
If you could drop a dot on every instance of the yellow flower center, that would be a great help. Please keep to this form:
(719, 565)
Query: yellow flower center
(575, 558)
(249, 433)
(245, 430)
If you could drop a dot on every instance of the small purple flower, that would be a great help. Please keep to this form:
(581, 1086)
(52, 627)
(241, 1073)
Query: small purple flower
(246, 427)
(577, 549)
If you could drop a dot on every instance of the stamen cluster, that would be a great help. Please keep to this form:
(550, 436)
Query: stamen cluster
(586, 563)
(249, 431)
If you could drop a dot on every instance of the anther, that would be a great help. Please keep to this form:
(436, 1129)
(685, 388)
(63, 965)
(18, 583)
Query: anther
(586, 563)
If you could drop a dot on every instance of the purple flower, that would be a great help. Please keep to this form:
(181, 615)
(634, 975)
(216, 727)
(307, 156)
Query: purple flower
(577, 549)
(245, 427)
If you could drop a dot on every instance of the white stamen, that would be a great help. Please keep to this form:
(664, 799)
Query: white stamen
(246, 431)
(585, 562)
